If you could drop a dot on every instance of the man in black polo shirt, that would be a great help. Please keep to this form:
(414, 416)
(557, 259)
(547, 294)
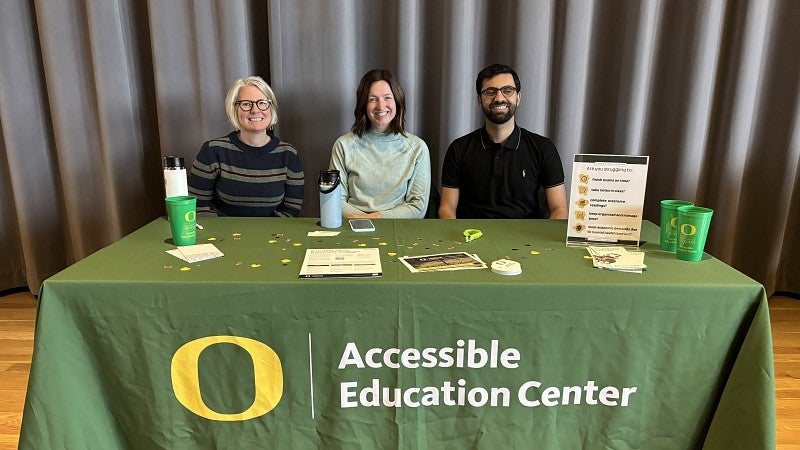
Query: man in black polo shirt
(499, 170)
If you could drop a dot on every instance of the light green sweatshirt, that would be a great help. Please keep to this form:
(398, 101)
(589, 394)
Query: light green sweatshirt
(385, 172)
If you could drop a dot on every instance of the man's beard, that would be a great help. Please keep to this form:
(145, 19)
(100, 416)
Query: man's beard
(497, 117)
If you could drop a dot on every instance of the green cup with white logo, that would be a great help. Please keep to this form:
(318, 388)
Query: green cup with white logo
(669, 223)
(182, 219)
(693, 223)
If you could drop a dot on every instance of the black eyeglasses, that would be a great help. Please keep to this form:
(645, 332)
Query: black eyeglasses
(507, 91)
(247, 105)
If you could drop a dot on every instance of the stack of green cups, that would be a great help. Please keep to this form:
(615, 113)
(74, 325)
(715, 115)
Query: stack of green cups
(693, 223)
(669, 223)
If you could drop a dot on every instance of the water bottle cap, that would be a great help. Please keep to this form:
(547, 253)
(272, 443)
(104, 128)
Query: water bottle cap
(328, 177)
(173, 162)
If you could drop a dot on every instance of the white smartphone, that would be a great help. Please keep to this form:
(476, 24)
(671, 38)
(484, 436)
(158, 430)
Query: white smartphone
(361, 225)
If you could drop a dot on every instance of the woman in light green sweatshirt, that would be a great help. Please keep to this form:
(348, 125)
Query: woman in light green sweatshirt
(385, 171)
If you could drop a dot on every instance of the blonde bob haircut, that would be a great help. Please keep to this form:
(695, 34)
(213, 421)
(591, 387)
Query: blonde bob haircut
(233, 96)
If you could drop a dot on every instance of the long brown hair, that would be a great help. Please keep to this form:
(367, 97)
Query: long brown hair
(361, 123)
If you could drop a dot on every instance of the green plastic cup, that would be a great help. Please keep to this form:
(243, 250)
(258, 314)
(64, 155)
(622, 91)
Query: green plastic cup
(182, 215)
(669, 223)
(693, 223)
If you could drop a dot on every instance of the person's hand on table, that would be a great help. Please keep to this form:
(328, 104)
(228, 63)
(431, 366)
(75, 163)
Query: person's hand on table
(372, 215)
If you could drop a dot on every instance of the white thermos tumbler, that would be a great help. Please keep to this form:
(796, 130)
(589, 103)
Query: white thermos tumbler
(330, 198)
(175, 176)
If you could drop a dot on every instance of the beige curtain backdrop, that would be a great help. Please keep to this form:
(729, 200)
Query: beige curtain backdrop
(94, 92)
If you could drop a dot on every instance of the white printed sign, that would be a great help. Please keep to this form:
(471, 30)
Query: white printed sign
(606, 199)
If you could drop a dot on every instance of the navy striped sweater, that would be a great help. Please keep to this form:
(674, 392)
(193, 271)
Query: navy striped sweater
(231, 178)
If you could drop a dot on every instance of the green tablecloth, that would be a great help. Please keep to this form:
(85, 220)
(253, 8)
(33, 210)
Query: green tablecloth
(560, 356)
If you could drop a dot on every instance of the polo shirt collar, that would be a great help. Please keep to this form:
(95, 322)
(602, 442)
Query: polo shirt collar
(512, 143)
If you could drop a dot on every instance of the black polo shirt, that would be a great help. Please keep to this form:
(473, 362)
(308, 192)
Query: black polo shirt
(498, 181)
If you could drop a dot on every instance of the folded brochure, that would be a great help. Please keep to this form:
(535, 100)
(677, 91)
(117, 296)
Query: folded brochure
(442, 261)
(617, 258)
(195, 253)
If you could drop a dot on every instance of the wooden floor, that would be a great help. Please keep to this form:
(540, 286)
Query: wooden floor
(785, 318)
(17, 313)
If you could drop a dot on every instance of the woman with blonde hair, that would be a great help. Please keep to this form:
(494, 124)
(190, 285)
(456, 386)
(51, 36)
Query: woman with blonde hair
(250, 171)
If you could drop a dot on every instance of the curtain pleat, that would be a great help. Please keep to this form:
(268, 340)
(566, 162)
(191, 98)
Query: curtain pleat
(33, 241)
(94, 92)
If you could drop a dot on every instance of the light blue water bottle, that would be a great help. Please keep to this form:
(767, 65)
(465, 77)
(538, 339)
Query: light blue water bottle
(330, 198)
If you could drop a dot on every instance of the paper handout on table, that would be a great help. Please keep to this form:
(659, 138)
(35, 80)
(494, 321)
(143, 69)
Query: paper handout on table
(341, 263)
(442, 261)
(195, 253)
(323, 233)
(617, 258)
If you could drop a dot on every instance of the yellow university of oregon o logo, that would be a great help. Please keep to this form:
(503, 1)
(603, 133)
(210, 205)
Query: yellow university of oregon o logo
(190, 216)
(688, 229)
(266, 370)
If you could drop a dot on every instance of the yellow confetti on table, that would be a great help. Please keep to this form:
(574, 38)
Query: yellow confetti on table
(286, 261)
(392, 254)
(297, 244)
(236, 234)
(271, 241)
(534, 252)
(185, 269)
(212, 238)
(381, 243)
(587, 257)
(362, 245)
(255, 265)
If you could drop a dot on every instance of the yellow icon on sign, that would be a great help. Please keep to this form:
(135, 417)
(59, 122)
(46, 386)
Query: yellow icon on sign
(583, 178)
(583, 190)
(580, 215)
(582, 202)
(579, 228)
